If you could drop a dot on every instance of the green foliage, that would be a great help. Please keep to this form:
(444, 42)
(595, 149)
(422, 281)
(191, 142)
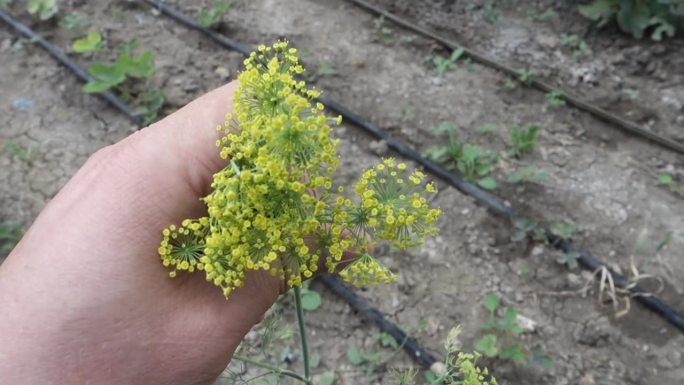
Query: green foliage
(88, 44)
(579, 47)
(74, 21)
(327, 378)
(637, 17)
(527, 174)
(442, 64)
(472, 162)
(569, 259)
(545, 16)
(523, 140)
(501, 341)
(555, 98)
(149, 103)
(382, 32)
(668, 181)
(524, 228)
(44, 9)
(10, 234)
(526, 75)
(386, 340)
(25, 154)
(127, 65)
(563, 229)
(5, 3)
(212, 16)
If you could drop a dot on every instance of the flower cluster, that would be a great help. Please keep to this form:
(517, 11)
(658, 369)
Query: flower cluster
(274, 208)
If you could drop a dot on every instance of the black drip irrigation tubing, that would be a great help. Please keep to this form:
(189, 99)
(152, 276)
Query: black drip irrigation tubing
(575, 101)
(80, 73)
(486, 199)
(360, 305)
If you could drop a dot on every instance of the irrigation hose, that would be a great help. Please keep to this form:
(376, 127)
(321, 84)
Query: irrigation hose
(361, 306)
(484, 198)
(80, 73)
(572, 100)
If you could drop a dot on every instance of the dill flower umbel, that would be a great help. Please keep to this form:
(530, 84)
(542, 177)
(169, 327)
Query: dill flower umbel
(273, 207)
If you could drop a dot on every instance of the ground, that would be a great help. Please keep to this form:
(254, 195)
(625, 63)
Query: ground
(598, 178)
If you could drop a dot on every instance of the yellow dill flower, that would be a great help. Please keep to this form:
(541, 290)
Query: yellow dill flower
(276, 193)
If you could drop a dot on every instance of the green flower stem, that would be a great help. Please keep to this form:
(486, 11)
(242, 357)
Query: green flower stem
(272, 368)
(302, 331)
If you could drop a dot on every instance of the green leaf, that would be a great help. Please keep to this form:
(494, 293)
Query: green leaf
(311, 300)
(95, 86)
(491, 302)
(458, 52)
(44, 8)
(487, 183)
(140, 66)
(387, 341)
(569, 259)
(515, 354)
(600, 10)
(665, 179)
(327, 378)
(106, 73)
(540, 359)
(634, 17)
(486, 345)
(90, 43)
(354, 356)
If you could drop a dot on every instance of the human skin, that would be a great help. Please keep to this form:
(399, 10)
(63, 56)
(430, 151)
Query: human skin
(84, 298)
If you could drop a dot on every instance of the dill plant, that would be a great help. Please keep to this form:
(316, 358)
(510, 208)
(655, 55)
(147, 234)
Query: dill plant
(274, 208)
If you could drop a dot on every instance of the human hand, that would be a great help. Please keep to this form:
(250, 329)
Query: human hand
(84, 297)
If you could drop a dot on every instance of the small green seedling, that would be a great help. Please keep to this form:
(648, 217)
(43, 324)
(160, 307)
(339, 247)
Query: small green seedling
(471, 161)
(502, 341)
(382, 32)
(127, 65)
(487, 128)
(489, 11)
(524, 228)
(88, 44)
(10, 234)
(671, 184)
(311, 300)
(563, 229)
(523, 140)
(44, 9)
(149, 103)
(578, 46)
(25, 154)
(526, 75)
(212, 16)
(555, 98)
(443, 64)
(527, 174)
(569, 259)
(74, 21)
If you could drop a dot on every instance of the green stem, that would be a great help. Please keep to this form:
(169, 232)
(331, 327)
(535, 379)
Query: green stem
(302, 331)
(272, 368)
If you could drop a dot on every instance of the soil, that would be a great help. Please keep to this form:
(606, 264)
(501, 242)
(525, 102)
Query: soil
(600, 179)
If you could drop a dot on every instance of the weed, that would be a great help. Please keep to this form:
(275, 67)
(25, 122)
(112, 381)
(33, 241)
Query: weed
(149, 103)
(523, 140)
(526, 75)
(88, 44)
(74, 21)
(44, 9)
(524, 228)
(10, 234)
(212, 16)
(472, 162)
(25, 154)
(555, 98)
(501, 341)
(668, 181)
(579, 47)
(509, 84)
(442, 64)
(382, 32)
(489, 11)
(487, 128)
(636, 17)
(563, 229)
